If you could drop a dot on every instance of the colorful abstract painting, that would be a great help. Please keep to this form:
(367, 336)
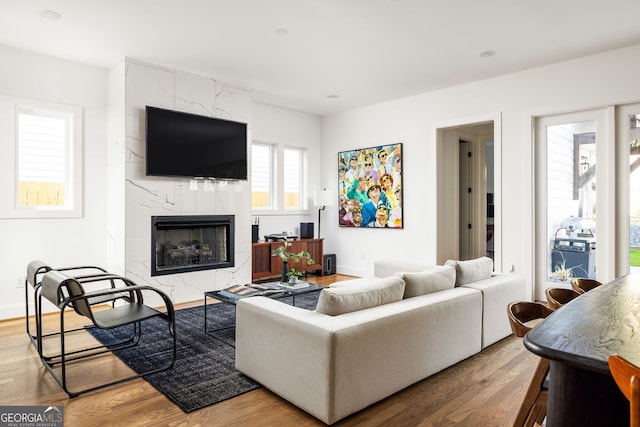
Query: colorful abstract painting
(370, 187)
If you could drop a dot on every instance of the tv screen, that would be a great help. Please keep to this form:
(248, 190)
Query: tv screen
(189, 145)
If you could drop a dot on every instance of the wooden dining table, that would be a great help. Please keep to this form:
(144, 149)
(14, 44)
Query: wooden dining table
(578, 339)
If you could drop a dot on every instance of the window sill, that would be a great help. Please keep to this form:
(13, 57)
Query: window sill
(280, 212)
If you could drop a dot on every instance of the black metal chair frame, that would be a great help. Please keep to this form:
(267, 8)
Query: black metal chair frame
(70, 294)
(35, 270)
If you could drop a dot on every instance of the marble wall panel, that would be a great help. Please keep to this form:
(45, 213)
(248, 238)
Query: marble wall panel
(148, 84)
(195, 94)
(233, 102)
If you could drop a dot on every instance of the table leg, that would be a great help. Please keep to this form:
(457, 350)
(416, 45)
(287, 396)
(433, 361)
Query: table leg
(205, 313)
(579, 397)
(212, 332)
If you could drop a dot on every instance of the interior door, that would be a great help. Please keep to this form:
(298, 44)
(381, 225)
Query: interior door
(465, 195)
(455, 205)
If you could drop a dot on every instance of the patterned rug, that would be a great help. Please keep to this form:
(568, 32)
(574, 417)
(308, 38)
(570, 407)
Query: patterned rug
(204, 372)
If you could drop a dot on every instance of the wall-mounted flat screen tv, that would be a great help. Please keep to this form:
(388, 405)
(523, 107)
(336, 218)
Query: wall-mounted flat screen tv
(188, 145)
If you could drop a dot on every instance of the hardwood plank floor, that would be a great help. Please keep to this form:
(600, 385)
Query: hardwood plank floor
(484, 390)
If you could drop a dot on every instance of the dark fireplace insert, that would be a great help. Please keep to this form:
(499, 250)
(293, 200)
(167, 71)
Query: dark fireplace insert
(185, 243)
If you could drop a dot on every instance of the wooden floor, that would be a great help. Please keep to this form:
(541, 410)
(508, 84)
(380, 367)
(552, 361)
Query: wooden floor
(484, 390)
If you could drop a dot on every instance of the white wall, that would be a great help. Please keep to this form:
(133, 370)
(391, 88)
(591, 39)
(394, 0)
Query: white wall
(287, 128)
(116, 150)
(59, 242)
(605, 79)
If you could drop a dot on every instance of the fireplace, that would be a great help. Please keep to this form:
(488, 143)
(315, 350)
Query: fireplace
(191, 243)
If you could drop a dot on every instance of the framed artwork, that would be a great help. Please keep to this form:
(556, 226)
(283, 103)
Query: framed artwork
(370, 187)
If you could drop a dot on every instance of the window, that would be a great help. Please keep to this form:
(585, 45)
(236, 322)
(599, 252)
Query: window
(45, 159)
(273, 188)
(261, 176)
(44, 142)
(292, 178)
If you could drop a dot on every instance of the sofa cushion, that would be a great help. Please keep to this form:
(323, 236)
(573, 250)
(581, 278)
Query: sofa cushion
(425, 282)
(360, 295)
(388, 267)
(472, 270)
(360, 281)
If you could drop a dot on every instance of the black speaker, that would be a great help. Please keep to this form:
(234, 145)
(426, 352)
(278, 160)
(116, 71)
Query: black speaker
(255, 233)
(306, 230)
(329, 264)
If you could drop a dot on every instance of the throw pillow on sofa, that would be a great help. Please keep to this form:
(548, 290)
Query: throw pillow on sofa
(472, 270)
(425, 282)
(361, 281)
(345, 299)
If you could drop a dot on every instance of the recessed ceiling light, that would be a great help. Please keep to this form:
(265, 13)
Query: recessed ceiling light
(50, 14)
(334, 96)
(487, 53)
(281, 31)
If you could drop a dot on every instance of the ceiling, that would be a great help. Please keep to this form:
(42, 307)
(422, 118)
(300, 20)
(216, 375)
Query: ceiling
(325, 56)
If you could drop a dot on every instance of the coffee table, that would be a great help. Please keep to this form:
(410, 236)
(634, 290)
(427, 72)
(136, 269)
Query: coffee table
(286, 293)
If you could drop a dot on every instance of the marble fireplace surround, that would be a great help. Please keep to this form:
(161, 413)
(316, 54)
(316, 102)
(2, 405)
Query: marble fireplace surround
(134, 197)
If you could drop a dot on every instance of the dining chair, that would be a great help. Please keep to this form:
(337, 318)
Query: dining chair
(523, 316)
(627, 376)
(582, 285)
(557, 297)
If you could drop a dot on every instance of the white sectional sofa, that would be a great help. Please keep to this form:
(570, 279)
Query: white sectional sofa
(369, 338)
(497, 289)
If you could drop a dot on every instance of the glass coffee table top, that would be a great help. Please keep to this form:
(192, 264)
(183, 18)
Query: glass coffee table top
(270, 291)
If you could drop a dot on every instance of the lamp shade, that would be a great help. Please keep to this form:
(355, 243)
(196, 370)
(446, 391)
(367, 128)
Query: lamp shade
(324, 198)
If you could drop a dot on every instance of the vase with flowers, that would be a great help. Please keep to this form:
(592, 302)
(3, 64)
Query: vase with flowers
(290, 275)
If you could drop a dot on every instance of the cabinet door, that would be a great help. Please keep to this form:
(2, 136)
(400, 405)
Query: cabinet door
(261, 261)
(265, 265)
(314, 247)
(296, 247)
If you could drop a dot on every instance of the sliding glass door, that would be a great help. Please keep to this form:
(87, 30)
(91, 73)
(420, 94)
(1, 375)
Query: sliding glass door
(574, 166)
(628, 185)
(571, 200)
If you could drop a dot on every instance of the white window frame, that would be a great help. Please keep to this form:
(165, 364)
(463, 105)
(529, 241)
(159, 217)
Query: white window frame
(277, 182)
(606, 202)
(10, 107)
(301, 173)
(272, 164)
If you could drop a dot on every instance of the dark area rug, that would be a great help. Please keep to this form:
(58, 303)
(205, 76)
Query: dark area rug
(204, 372)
